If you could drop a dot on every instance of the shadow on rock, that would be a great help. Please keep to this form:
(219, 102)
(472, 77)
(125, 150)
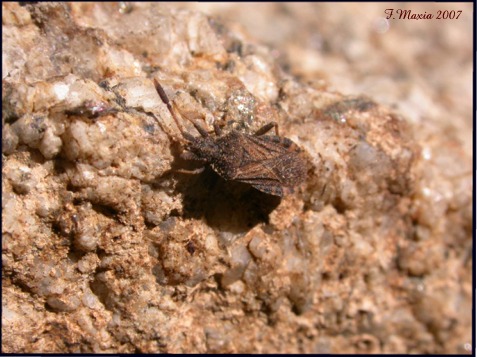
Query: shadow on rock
(226, 205)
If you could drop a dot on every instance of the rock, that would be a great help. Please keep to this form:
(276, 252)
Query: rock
(108, 246)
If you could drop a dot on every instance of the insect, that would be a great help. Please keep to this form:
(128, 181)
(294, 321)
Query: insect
(269, 163)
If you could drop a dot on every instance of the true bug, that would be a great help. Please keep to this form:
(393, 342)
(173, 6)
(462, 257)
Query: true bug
(269, 163)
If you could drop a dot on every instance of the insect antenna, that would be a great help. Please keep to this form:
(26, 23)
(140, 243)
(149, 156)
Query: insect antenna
(167, 102)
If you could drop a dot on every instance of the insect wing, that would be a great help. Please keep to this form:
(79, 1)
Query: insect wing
(274, 165)
(266, 147)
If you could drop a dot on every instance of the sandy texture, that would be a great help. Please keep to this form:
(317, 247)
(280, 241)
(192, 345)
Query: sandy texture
(108, 247)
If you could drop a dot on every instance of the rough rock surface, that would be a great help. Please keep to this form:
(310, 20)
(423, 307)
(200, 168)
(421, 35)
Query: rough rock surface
(107, 247)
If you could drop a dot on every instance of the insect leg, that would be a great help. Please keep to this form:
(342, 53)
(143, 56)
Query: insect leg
(190, 172)
(266, 128)
(217, 129)
(199, 128)
(188, 155)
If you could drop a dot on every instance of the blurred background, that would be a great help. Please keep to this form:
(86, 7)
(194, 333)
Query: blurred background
(422, 68)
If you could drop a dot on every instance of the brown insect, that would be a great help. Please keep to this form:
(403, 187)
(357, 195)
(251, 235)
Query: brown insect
(269, 163)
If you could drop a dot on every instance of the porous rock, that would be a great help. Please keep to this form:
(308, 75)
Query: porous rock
(107, 247)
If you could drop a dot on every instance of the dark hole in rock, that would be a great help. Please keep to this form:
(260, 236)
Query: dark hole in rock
(107, 211)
